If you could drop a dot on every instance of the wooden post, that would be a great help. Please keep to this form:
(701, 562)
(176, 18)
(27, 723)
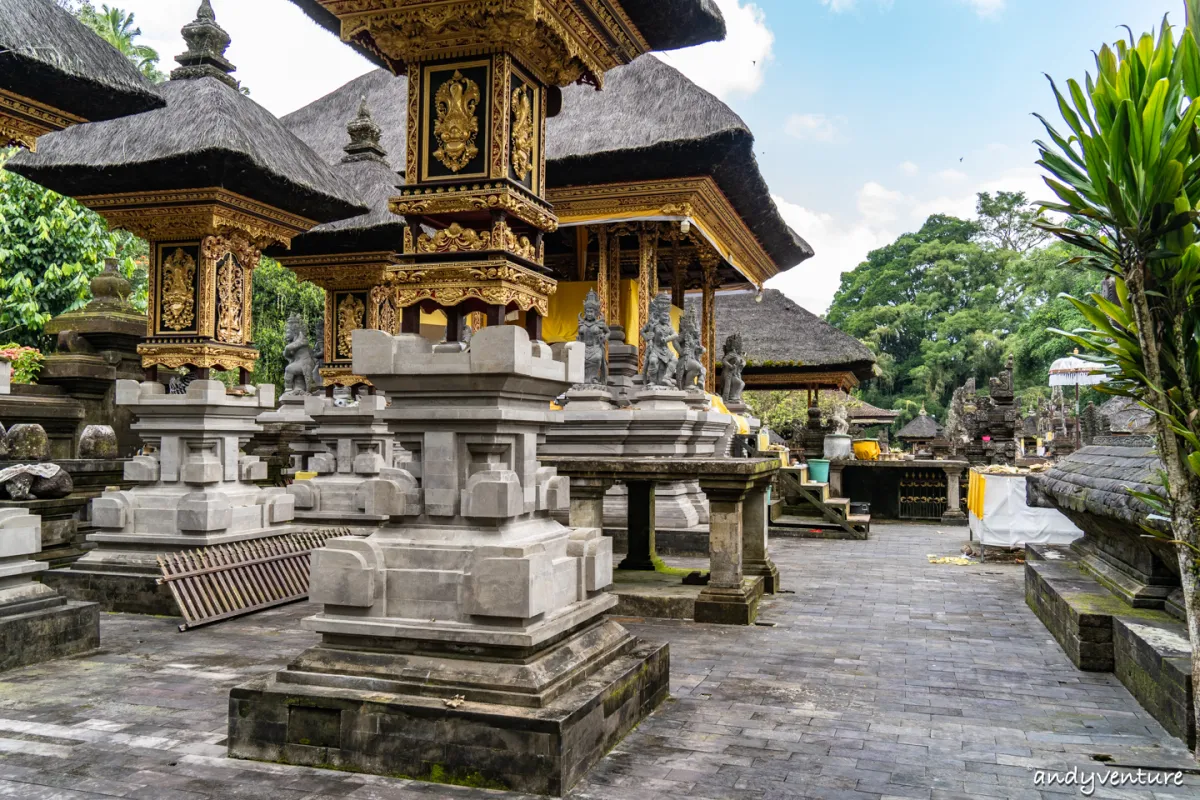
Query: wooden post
(709, 262)
(640, 525)
(581, 248)
(647, 267)
(533, 325)
(614, 278)
(410, 319)
(495, 315)
(453, 324)
(602, 290)
(678, 274)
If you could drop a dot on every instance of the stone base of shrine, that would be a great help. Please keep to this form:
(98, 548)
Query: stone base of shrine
(535, 725)
(114, 590)
(667, 542)
(663, 595)
(1147, 649)
(45, 630)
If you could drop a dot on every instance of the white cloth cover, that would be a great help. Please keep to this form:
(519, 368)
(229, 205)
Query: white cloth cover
(40, 470)
(1008, 522)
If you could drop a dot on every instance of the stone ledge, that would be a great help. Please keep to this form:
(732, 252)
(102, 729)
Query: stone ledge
(124, 592)
(544, 751)
(49, 633)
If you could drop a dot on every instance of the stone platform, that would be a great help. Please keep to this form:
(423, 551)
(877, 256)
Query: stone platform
(663, 595)
(1146, 648)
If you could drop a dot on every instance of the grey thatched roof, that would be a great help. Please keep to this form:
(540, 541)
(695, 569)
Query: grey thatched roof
(377, 230)
(209, 134)
(665, 24)
(49, 56)
(1096, 481)
(650, 122)
(922, 426)
(780, 335)
(1126, 416)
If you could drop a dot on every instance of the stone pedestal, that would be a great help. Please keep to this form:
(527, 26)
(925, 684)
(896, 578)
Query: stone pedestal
(954, 514)
(468, 632)
(727, 599)
(285, 441)
(756, 559)
(36, 624)
(194, 488)
(357, 484)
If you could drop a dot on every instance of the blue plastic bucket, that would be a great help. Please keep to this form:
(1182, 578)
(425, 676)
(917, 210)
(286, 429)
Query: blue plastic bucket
(818, 470)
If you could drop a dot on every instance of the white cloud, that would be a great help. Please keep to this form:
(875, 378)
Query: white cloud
(813, 127)
(877, 202)
(838, 6)
(962, 204)
(735, 65)
(951, 176)
(840, 246)
(984, 8)
(909, 168)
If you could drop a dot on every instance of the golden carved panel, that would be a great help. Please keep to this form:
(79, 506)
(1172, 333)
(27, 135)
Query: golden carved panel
(501, 70)
(522, 132)
(23, 120)
(178, 297)
(351, 314)
(178, 214)
(497, 282)
(173, 355)
(457, 124)
(350, 271)
(488, 197)
(563, 41)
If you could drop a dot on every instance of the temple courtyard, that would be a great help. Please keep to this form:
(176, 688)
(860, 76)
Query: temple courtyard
(882, 675)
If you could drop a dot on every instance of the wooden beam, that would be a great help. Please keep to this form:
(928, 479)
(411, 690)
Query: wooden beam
(581, 248)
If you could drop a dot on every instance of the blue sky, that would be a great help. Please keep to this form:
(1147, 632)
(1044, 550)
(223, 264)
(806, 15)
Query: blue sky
(861, 108)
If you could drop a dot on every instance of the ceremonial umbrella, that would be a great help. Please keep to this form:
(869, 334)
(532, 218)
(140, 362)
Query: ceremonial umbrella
(1074, 371)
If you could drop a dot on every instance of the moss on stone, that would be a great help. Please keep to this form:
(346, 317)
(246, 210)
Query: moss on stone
(666, 569)
(1105, 604)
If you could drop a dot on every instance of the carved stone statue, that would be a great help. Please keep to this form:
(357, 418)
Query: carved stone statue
(733, 361)
(297, 375)
(841, 425)
(659, 367)
(593, 332)
(956, 423)
(689, 368)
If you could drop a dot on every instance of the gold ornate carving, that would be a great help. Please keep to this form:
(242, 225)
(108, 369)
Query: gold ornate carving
(173, 355)
(456, 126)
(382, 313)
(350, 313)
(698, 199)
(488, 197)
(783, 378)
(563, 41)
(454, 239)
(350, 271)
(504, 238)
(342, 376)
(496, 282)
(522, 132)
(501, 74)
(413, 156)
(177, 214)
(23, 120)
(178, 304)
(230, 296)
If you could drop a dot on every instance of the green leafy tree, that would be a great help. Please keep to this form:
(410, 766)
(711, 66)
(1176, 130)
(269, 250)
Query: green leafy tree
(1006, 221)
(276, 295)
(50, 249)
(116, 26)
(1128, 170)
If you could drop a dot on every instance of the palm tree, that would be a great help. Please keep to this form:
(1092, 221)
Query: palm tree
(116, 26)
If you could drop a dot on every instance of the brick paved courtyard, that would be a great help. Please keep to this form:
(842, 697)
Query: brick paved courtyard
(883, 676)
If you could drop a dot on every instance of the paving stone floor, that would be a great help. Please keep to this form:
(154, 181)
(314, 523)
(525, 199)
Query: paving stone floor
(884, 676)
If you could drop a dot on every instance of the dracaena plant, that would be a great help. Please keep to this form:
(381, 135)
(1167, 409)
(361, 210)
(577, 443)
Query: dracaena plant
(1126, 173)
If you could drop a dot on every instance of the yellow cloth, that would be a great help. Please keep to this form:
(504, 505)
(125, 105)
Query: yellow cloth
(562, 320)
(976, 489)
(306, 476)
(743, 425)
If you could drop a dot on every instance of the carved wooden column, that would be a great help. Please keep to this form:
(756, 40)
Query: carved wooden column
(647, 269)
(678, 272)
(602, 289)
(709, 262)
(614, 276)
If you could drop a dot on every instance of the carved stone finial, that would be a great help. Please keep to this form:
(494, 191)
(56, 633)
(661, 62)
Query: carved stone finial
(364, 138)
(109, 288)
(207, 42)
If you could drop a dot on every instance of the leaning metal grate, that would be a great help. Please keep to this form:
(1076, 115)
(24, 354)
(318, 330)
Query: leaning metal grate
(211, 584)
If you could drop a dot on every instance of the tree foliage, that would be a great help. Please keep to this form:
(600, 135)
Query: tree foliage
(277, 294)
(50, 249)
(116, 26)
(952, 300)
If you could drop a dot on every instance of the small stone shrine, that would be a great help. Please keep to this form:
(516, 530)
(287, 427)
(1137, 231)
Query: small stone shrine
(468, 634)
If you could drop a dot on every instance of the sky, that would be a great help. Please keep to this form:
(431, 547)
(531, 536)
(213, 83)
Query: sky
(869, 115)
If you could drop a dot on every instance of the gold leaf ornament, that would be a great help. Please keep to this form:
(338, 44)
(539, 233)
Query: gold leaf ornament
(230, 290)
(178, 300)
(349, 319)
(522, 132)
(457, 125)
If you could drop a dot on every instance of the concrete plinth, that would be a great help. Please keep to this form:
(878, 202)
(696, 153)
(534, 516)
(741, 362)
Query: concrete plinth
(465, 638)
(36, 624)
(193, 488)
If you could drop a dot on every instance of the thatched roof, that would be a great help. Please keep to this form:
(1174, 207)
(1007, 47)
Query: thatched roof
(665, 24)
(49, 56)
(1125, 415)
(781, 336)
(209, 134)
(1095, 481)
(649, 123)
(652, 123)
(922, 426)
